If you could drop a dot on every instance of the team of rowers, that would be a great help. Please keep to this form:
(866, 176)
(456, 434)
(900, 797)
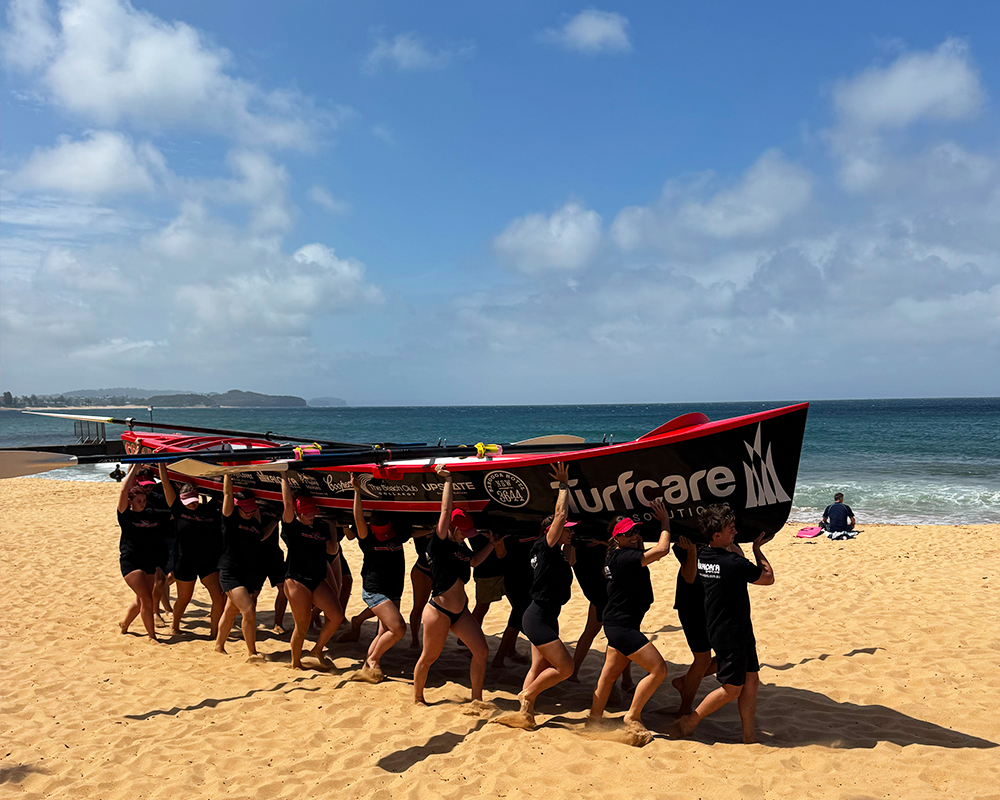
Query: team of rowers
(167, 530)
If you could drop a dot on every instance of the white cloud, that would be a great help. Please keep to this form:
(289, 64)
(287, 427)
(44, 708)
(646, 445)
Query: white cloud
(105, 162)
(384, 132)
(323, 198)
(565, 241)
(939, 84)
(409, 53)
(112, 63)
(593, 31)
(769, 194)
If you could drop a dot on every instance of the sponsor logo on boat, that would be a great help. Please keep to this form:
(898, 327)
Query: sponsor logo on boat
(763, 487)
(716, 482)
(506, 488)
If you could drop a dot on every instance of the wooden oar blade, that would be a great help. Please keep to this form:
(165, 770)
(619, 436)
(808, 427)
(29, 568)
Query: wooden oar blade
(555, 439)
(199, 469)
(18, 463)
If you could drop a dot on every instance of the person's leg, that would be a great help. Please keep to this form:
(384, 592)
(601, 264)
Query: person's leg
(229, 613)
(538, 663)
(649, 658)
(479, 612)
(614, 664)
(300, 599)
(391, 630)
(211, 582)
(142, 585)
(326, 599)
(469, 632)
(354, 634)
(280, 604)
(240, 602)
(748, 707)
(421, 583)
(688, 683)
(161, 597)
(713, 702)
(185, 591)
(436, 626)
(508, 646)
(590, 632)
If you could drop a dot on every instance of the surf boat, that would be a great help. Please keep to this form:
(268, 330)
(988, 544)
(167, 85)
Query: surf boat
(749, 462)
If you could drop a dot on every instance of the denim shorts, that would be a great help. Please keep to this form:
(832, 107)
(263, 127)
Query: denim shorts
(373, 599)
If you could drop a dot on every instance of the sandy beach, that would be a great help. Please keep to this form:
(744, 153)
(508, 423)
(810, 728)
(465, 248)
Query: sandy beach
(880, 676)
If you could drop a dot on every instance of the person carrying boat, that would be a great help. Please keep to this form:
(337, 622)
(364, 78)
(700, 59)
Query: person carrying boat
(420, 582)
(630, 594)
(382, 575)
(689, 602)
(551, 559)
(725, 576)
(140, 549)
(451, 561)
(199, 547)
(590, 548)
(309, 542)
(241, 572)
(517, 578)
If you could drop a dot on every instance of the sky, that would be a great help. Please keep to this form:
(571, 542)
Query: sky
(530, 202)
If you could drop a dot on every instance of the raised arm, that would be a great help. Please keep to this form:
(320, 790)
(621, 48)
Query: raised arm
(554, 534)
(288, 513)
(127, 484)
(444, 521)
(359, 515)
(689, 570)
(662, 547)
(767, 576)
(169, 492)
(228, 504)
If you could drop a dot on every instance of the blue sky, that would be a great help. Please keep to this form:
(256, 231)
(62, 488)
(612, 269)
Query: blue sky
(401, 203)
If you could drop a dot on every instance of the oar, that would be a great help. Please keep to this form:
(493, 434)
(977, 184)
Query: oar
(130, 422)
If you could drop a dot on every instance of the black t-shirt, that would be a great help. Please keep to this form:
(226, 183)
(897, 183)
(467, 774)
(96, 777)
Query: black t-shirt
(837, 514)
(687, 595)
(492, 565)
(517, 571)
(306, 548)
(553, 577)
(384, 567)
(449, 562)
(630, 590)
(242, 548)
(199, 528)
(724, 576)
(144, 533)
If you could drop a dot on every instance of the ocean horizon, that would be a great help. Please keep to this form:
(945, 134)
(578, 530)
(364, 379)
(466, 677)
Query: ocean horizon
(906, 461)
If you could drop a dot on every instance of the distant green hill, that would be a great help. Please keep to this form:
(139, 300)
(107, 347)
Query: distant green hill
(321, 402)
(233, 398)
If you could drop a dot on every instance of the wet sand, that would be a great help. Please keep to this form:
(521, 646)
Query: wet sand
(880, 676)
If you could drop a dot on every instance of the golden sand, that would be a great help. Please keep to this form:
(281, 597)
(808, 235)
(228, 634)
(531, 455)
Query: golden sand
(880, 678)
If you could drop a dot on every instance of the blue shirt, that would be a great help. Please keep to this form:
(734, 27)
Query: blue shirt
(838, 514)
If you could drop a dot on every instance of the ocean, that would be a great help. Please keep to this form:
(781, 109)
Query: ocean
(904, 462)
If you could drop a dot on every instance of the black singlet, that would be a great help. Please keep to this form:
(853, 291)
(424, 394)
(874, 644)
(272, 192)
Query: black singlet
(143, 536)
(630, 591)
(306, 549)
(552, 584)
(449, 562)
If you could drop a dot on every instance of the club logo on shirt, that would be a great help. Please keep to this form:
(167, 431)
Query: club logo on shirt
(763, 487)
(506, 488)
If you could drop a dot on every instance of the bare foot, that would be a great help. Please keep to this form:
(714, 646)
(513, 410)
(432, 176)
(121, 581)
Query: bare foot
(175, 630)
(123, 627)
(596, 723)
(637, 735)
(479, 708)
(367, 674)
(220, 648)
(683, 728)
(419, 701)
(516, 719)
(255, 658)
(351, 635)
(317, 652)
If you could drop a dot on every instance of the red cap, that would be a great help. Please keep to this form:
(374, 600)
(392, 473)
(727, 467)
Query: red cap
(461, 520)
(623, 527)
(247, 504)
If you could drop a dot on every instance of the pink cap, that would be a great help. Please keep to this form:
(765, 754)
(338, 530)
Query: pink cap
(189, 497)
(461, 520)
(304, 506)
(382, 530)
(623, 527)
(247, 504)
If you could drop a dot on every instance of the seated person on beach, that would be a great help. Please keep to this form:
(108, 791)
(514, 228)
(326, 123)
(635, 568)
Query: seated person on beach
(836, 516)
(724, 577)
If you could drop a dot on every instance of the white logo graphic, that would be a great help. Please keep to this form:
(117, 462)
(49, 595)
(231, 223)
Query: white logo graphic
(763, 488)
(506, 488)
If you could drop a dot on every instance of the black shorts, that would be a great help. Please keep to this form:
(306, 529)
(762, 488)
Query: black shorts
(735, 662)
(310, 582)
(540, 624)
(274, 569)
(519, 597)
(192, 563)
(131, 563)
(695, 628)
(625, 640)
(232, 579)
